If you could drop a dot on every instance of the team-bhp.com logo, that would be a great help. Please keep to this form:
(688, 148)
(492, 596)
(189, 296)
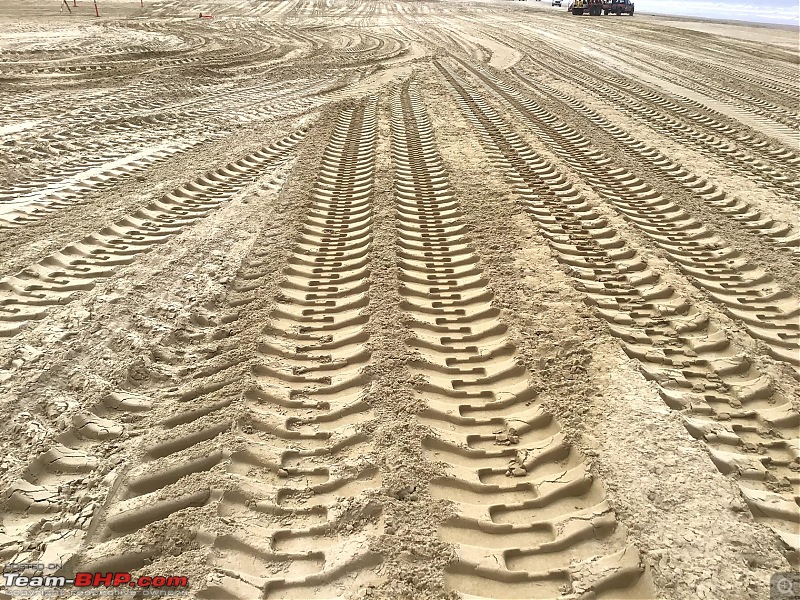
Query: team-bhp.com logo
(157, 585)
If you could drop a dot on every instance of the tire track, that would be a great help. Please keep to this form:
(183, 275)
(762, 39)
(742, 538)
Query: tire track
(721, 77)
(61, 185)
(236, 51)
(775, 232)
(19, 206)
(783, 91)
(747, 293)
(778, 173)
(682, 69)
(782, 178)
(750, 428)
(49, 508)
(773, 113)
(370, 49)
(78, 130)
(53, 281)
(695, 114)
(288, 427)
(532, 521)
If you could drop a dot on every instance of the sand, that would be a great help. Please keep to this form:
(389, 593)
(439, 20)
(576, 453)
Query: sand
(398, 300)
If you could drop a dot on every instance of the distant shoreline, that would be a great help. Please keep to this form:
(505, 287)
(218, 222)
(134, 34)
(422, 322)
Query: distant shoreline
(767, 24)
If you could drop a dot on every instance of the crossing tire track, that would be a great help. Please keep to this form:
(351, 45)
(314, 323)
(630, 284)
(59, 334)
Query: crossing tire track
(772, 112)
(53, 281)
(370, 48)
(708, 119)
(23, 206)
(746, 292)
(113, 150)
(352, 413)
(677, 67)
(771, 95)
(750, 428)
(289, 425)
(775, 232)
(52, 500)
(654, 111)
(531, 520)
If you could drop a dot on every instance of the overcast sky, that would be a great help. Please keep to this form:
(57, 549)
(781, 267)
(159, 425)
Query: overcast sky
(760, 11)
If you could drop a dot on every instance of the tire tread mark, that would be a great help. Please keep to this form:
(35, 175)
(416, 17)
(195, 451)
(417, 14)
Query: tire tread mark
(749, 427)
(532, 521)
(778, 233)
(782, 179)
(293, 438)
(747, 293)
(53, 281)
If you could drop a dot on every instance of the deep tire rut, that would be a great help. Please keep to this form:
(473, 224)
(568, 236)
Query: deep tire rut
(54, 280)
(747, 292)
(750, 428)
(532, 522)
(293, 441)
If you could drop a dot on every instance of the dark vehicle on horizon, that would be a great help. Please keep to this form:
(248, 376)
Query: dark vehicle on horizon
(618, 7)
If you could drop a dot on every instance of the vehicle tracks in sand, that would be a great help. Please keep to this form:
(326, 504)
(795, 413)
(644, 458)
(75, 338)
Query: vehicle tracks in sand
(243, 51)
(106, 128)
(687, 76)
(291, 418)
(531, 521)
(107, 162)
(778, 233)
(772, 97)
(366, 49)
(771, 160)
(746, 292)
(34, 199)
(649, 84)
(53, 281)
(749, 426)
(772, 166)
(354, 414)
(776, 121)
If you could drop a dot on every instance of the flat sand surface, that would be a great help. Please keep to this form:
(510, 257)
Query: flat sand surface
(776, 35)
(398, 300)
